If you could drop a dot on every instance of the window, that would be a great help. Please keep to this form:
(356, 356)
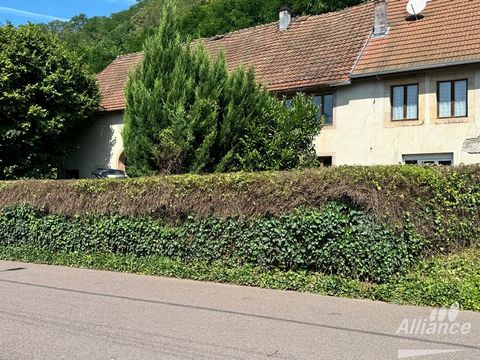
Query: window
(429, 159)
(325, 107)
(288, 103)
(404, 101)
(326, 161)
(324, 104)
(452, 98)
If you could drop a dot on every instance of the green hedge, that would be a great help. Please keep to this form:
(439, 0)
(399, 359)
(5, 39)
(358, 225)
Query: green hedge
(336, 240)
(359, 222)
(441, 202)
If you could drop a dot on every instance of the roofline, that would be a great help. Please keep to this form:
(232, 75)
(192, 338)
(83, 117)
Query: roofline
(280, 91)
(275, 23)
(103, 110)
(415, 68)
(310, 88)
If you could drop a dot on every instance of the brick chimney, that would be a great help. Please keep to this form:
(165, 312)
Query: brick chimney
(381, 18)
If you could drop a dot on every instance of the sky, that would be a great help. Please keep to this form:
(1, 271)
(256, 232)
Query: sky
(38, 11)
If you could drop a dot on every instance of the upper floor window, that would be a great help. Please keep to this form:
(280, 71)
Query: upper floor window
(452, 98)
(404, 101)
(325, 107)
(288, 103)
(324, 104)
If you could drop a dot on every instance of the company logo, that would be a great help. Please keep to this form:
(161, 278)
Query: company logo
(441, 322)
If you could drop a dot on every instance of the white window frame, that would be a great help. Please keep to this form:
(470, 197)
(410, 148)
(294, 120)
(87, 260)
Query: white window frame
(427, 159)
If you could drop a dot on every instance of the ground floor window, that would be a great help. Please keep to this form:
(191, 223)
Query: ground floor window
(325, 160)
(429, 159)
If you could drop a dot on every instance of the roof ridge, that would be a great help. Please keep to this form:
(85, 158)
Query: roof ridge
(294, 19)
(259, 26)
(296, 61)
(128, 54)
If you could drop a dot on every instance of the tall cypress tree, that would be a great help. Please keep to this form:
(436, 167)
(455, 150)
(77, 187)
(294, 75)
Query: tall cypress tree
(186, 113)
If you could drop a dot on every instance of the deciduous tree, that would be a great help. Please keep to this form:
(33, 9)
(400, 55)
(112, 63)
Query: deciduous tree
(46, 97)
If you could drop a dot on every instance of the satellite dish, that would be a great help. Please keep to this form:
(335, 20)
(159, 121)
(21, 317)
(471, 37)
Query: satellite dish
(415, 7)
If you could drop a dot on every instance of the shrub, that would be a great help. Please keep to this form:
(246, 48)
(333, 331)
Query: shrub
(336, 240)
(442, 204)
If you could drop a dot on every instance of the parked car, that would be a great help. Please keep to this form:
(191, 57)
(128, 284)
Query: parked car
(110, 174)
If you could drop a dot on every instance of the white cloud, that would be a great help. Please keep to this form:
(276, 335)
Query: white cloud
(28, 14)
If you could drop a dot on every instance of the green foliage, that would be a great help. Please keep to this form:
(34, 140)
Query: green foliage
(441, 281)
(209, 18)
(185, 113)
(46, 96)
(337, 240)
(100, 39)
(394, 194)
(440, 204)
(153, 265)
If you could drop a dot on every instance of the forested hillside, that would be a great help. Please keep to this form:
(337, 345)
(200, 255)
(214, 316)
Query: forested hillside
(100, 39)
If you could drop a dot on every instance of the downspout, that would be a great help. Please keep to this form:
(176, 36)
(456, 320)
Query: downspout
(360, 55)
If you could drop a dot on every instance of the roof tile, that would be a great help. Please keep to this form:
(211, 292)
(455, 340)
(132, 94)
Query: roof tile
(447, 33)
(314, 51)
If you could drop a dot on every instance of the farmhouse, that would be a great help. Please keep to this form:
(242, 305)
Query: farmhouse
(392, 87)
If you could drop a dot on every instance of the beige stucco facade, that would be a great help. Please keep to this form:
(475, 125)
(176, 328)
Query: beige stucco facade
(99, 146)
(364, 134)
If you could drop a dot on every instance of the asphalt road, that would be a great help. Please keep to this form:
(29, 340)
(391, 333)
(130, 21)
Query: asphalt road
(61, 313)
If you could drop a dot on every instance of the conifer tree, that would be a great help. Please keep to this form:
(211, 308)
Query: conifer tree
(187, 113)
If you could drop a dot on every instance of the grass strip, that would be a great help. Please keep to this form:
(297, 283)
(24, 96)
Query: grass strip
(440, 281)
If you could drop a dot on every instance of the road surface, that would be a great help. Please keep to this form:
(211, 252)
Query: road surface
(51, 312)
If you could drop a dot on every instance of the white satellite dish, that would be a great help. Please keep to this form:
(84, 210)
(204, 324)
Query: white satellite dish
(415, 7)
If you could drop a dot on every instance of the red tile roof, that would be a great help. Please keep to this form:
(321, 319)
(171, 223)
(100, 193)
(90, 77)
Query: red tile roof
(330, 49)
(449, 33)
(314, 51)
(113, 79)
